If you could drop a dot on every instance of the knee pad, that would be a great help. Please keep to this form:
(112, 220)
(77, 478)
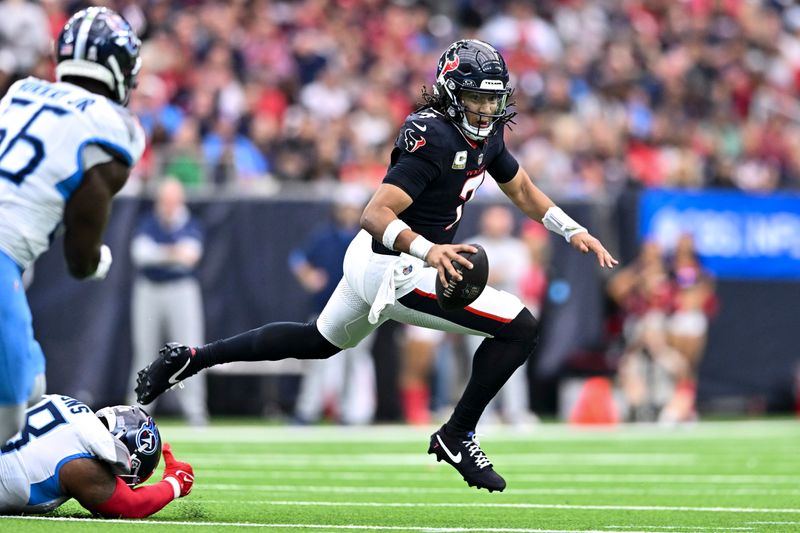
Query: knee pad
(523, 329)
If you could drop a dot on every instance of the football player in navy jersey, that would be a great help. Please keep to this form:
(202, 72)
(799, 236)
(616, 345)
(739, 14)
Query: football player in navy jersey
(441, 156)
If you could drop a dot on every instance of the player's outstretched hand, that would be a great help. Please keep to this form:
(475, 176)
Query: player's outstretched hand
(585, 243)
(441, 256)
(179, 471)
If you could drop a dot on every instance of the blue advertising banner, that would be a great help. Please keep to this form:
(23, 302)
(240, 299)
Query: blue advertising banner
(737, 235)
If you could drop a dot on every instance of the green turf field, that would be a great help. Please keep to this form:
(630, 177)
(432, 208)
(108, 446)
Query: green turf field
(719, 476)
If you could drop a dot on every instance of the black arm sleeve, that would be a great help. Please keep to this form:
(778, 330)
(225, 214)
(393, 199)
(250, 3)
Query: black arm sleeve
(504, 167)
(412, 174)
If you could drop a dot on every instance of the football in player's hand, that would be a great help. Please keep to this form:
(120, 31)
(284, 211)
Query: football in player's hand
(459, 294)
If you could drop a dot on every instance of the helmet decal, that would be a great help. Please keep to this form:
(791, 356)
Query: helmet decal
(147, 438)
(451, 64)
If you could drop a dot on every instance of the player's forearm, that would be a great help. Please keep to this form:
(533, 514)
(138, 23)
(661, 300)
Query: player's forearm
(530, 199)
(375, 220)
(136, 503)
(81, 253)
(83, 237)
(395, 234)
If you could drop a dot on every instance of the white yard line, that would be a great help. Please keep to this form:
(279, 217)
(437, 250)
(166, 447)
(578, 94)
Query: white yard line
(689, 528)
(372, 489)
(370, 527)
(756, 430)
(335, 460)
(474, 505)
(689, 479)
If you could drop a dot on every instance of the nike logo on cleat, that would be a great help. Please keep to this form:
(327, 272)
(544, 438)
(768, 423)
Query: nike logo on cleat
(455, 458)
(173, 378)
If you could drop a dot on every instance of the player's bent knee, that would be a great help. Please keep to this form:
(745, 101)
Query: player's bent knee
(320, 345)
(524, 328)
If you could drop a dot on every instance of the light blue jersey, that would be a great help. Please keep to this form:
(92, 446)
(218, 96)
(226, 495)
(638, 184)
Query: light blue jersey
(45, 129)
(50, 134)
(58, 429)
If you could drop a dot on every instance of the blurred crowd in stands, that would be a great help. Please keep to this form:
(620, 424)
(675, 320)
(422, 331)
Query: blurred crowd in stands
(666, 301)
(256, 95)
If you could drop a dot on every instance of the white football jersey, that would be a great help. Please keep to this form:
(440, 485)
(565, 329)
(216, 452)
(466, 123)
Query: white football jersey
(58, 429)
(44, 129)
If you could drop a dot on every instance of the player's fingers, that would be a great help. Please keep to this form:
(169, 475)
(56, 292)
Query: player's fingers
(465, 248)
(462, 261)
(605, 258)
(442, 277)
(451, 269)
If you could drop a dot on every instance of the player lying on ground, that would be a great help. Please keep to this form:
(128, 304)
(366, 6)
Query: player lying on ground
(441, 156)
(67, 451)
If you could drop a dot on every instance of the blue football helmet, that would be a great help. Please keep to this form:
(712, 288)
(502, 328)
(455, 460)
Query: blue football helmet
(472, 65)
(131, 425)
(99, 44)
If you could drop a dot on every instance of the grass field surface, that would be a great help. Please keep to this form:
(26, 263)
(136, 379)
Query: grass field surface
(712, 476)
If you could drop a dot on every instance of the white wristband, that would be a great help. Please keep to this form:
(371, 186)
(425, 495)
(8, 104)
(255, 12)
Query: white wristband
(104, 265)
(392, 231)
(420, 247)
(557, 221)
(176, 486)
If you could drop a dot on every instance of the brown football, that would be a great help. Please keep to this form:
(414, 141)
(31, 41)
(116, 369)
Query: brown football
(459, 294)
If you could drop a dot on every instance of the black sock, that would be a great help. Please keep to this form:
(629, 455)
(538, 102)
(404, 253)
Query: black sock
(494, 362)
(271, 342)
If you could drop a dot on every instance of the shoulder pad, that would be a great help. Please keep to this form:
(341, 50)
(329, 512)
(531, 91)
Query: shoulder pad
(421, 134)
(10, 93)
(102, 444)
(121, 132)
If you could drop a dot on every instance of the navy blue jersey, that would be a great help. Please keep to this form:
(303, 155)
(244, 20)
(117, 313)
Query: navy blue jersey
(325, 249)
(160, 234)
(440, 168)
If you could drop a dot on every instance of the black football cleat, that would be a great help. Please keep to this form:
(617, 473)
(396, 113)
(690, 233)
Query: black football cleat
(466, 456)
(166, 372)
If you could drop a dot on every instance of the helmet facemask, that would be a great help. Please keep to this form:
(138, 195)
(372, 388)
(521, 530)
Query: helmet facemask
(485, 121)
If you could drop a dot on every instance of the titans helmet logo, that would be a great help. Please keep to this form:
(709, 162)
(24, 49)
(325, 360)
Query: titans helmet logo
(147, 438)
